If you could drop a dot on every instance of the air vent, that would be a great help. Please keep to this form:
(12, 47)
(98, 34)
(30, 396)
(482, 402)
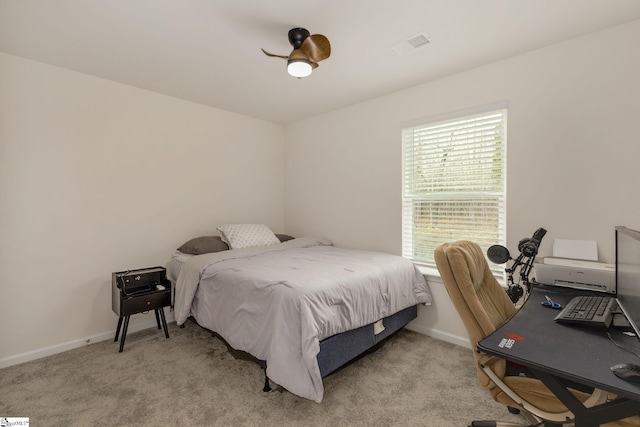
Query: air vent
(412, 44)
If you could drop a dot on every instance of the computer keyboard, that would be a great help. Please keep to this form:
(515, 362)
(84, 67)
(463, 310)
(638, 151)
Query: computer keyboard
(588, 310)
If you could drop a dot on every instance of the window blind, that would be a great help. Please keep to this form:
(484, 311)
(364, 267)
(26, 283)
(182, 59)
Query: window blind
(454, 174)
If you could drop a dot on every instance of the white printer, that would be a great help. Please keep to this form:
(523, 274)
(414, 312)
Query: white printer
(577, 274)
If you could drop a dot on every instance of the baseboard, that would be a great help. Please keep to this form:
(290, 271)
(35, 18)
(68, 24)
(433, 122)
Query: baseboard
(88, 340)
(442, 336)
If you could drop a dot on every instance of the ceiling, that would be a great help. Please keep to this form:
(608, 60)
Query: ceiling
(208, 51)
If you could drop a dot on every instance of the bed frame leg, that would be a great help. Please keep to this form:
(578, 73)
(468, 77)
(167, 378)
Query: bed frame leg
(267, 386)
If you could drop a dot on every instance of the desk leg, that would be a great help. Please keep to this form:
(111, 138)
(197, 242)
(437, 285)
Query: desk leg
(124, 332)
(596, 415)
(561, 393)
(164, 322)
(613, 410)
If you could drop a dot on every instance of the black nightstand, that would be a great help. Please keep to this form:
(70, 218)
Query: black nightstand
(139, 291)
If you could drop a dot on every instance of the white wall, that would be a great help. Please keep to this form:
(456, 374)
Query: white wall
(97, 177)
(573, 152)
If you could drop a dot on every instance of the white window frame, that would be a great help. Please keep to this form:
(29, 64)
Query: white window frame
(479, 135)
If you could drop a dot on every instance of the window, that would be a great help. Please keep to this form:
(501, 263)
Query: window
(454, 187)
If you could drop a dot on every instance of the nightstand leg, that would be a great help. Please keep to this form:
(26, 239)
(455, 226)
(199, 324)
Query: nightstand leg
(118, 329)
(124, 332)
(164, 322)
(157, 317)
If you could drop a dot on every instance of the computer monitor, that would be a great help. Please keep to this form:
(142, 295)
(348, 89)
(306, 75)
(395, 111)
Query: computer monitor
(628, 274)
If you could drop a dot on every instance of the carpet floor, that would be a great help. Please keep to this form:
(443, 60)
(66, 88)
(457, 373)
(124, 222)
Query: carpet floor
(191, 379)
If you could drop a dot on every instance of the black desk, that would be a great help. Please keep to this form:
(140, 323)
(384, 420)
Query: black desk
(555, 351)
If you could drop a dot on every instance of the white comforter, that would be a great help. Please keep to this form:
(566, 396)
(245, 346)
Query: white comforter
(278, 302)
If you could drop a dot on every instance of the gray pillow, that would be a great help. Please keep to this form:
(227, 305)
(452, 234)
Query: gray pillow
(203, 245)
(284, 237)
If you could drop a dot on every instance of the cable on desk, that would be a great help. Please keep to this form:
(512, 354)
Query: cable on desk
(621, 346)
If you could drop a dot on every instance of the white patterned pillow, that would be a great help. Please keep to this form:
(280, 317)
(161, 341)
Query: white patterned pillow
(239, 236)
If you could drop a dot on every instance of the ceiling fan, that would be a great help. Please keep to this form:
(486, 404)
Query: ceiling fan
(307, 51)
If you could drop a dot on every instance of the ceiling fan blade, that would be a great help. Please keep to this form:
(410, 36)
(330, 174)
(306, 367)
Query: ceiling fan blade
(298, 54)
(316, 47)
(274, 55)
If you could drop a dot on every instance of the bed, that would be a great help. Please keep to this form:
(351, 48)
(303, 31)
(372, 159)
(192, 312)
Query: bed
(302, 305)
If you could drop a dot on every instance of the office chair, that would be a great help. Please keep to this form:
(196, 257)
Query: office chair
(483, 306)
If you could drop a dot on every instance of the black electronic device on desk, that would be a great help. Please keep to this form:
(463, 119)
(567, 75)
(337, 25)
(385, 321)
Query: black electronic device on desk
(589, 310)
(139, 291)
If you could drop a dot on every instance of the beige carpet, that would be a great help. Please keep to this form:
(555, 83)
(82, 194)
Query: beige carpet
(192, 380)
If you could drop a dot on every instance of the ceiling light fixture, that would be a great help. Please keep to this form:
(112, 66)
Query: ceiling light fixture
(298, 64)
(299, 67)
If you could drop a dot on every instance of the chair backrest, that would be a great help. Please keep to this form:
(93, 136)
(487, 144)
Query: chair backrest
(481, 302)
